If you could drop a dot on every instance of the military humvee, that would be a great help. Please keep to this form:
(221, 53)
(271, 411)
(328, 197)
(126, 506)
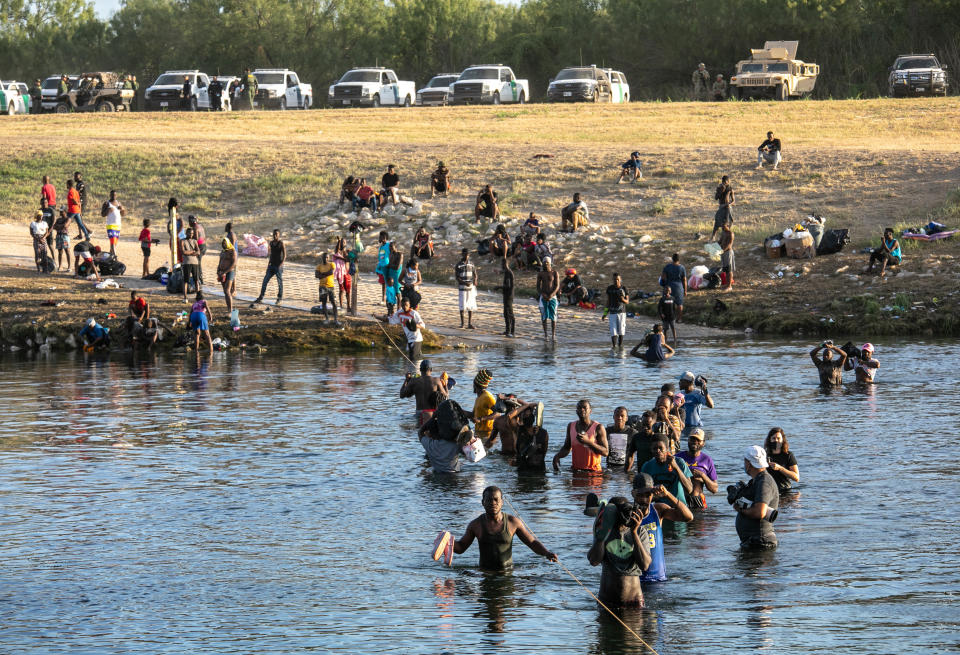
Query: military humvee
(774, 72)
(95, 92)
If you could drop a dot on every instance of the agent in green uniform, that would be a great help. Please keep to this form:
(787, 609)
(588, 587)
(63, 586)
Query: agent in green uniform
(250, 85)
(494, 532)
(64, 87)
(36, 98)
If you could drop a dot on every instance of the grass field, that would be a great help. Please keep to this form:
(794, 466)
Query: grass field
(863, 164)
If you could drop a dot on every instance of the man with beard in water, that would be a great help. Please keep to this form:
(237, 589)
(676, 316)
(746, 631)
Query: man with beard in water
(494, 533)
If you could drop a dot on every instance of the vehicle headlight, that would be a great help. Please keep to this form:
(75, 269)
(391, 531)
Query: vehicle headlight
(486, 87)
(330, 91)
(419, 95)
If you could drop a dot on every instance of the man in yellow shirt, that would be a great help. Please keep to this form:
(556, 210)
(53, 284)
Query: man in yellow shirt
(483, 415)
(327, 285)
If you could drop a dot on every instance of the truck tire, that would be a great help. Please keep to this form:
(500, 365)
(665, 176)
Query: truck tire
(10, 110)
(306, 102)
(780, 93)
(105, 106)
(407, 102)
(739, 93)
(523, 98)
(496, 97)
(283, 104)
(193, 104)
(596, 96)
(61, 108)
(376, 101)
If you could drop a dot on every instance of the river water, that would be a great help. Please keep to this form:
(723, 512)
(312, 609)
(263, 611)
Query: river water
(262, 504)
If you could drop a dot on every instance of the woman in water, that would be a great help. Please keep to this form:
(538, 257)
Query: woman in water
(783, 465)
(657, 348)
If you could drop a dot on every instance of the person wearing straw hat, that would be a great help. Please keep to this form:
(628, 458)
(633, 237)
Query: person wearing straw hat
(482, 414)
(757, 503)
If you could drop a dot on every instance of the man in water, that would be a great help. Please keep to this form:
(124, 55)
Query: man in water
(638, 444)
(864, 366)
(494, 531)
(760, 500)
(443, 450)
(619, 435)
(655, 504)
(668, 470)
(425, 389)
(703, 473)
(548, 284)
(617, 311)
(482, 415)
(625, 555)
(831, 370)
(506, 427)
(532, 442)
(586, 438)
(695, 398)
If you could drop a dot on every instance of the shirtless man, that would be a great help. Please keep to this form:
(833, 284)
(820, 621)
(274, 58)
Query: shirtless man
(425, 389)
(506, 426)
(831, 370)
(624, 554)
(494, 533)
(548, 284)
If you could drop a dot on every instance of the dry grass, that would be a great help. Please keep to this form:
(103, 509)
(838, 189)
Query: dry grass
(863, 164)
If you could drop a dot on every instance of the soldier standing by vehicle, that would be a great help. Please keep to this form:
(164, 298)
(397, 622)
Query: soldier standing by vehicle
(135, 105)
(186, 94)
(64, 87)
(36, 98)
(719, 89)
(701, 80)
(215, 90)
(250, 85)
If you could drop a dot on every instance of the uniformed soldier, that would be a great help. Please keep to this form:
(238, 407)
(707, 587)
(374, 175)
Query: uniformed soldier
(215, 91)
(36, 98)
(186, 94)
(64, 87)
(135, 105)
(719, 89)
(701, 81)
(250, 86)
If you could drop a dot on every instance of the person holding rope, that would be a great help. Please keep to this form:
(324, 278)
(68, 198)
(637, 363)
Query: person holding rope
(411, 321)
(625, 556)
(494, 531)
(425, 389)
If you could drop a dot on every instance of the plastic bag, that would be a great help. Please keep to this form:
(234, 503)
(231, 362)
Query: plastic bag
(713, 250)
(474, 451)
(695, 282)
(235, 319)
(254, 246)
(699, 270)
(109, 283)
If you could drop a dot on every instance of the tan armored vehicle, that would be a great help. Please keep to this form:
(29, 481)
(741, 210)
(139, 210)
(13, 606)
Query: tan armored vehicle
(774, 72)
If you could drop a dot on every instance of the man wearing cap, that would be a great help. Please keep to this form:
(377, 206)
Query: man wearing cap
(94, 335)
(426, 390)
(703, 474)
(754, 524)
(701, 81)
(655, 504)
(36, 98)
(865, 366)
(482, 414)
(624, 553)
(467, 281)
(695, 397)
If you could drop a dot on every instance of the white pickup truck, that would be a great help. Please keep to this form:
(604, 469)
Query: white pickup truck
(490, 84)
(371, 87)
(280, 88)
(164, 93)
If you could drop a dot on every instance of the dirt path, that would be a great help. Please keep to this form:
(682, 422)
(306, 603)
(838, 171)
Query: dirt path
(439, 306)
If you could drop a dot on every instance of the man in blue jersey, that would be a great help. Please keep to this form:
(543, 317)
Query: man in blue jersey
(655, 504)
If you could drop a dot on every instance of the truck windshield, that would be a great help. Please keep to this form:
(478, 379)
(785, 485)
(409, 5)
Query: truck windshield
(361, 76)
(442, 80)
(51, 83)
(751, 68)
(575, 74)
(480, 74)
(782, 67)
(269, 78)
(917, 62)
(168, 79)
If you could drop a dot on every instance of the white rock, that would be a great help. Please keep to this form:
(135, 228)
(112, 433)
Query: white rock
(646, 238)
(628, 243)
(70, 341)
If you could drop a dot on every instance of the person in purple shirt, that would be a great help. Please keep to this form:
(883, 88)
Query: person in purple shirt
(703, 474)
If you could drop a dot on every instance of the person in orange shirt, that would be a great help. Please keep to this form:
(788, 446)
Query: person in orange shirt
(587, 439)
(75, 209)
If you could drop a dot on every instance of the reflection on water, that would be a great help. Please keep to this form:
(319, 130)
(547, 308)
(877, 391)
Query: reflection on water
(233, 504)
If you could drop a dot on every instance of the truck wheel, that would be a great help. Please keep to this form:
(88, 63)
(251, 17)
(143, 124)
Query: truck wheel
(306, 102)
(739, 93)
(496, 97)
(105, 106)
(406, 102)
(596, 96)
(61, 108)
(193, 104)
(376, 100)
(10, 110)
(523, 98)
(781, 92)
(283, 104)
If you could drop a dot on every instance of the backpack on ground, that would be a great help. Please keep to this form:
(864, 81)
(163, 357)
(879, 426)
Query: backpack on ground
(833, 241)
(175, 281)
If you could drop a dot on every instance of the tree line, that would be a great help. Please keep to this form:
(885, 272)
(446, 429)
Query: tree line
(656, 43)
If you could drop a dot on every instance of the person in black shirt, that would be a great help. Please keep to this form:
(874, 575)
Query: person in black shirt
(769, 151)
(617, 311)
(619, 434)
(186, 94)
(831, 370)
(782, 463)
(725, 199)
(572, 287)
(278, 254)
(638, 441)
(390, 185)
(487, 203)
(215, 91)
(667, 311)
(510, 322)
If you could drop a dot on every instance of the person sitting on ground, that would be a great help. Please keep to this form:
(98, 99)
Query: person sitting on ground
(94, 336)
(487, 204)
(348, 190)
(541, 252)
(624, 553)
(38, 233)
(864, 365)
(425, 388)
(572, 287)
(782, 463)
(669, 470)
(500, 242)
(523, 251)
(703, 473)
(365, 197)
(830, 369)
(769, 151)
(632, 168)
(587, 439)
(888, 253)
(440, 180)
(83, 260)
(411, 322)
(390, 186)
(575, 214)
(667, 313)
(531, 226)
(494, 531)
(200, 320)
(410, 280)
(657, 348)
(422, 247)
